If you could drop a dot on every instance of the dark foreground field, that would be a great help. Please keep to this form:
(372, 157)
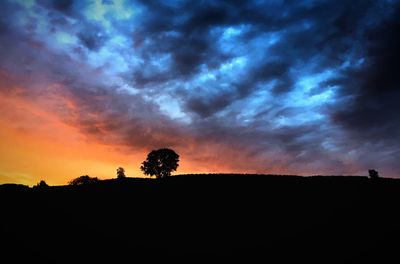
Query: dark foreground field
(203, 218)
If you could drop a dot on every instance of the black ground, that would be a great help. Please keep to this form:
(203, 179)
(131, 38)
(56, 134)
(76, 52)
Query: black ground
(203, 218)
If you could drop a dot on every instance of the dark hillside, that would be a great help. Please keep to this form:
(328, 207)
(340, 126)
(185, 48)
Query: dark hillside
(204, 217)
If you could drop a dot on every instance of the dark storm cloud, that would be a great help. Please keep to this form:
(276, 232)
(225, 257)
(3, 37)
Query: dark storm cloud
(375, 85)
(92, 37)
(193, 42)
(63, 6)
(206, 107)
(105, 114)
(311, 35)
(6, 17)
(371, 115)
(184, 32)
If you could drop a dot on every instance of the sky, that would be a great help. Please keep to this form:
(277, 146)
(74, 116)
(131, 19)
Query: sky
(280, 87)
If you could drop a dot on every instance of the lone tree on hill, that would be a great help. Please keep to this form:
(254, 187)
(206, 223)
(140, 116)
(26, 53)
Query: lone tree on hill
(160, 163)
(373, 174)
(120, 173)
(42, 184)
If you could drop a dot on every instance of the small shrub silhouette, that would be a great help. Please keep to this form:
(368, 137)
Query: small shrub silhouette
(160, 163)
(42, 184)
(121, 173)
(83, 180)
(373, 174)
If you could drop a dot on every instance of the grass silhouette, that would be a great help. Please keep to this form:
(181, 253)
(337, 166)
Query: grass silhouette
(204, 217)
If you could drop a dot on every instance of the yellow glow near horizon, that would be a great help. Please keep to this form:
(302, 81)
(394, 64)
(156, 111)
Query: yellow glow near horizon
(36, 145)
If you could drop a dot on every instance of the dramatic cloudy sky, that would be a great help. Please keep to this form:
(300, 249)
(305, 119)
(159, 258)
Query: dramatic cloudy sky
(287, 87)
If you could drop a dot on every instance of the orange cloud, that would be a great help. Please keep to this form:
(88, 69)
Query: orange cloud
(41, 140)
(37, 144)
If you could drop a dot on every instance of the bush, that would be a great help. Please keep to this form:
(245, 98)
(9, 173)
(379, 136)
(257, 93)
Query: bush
(373, 174)
(83, 180)
(42, 184)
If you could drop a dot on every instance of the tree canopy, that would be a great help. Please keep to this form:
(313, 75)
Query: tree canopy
(160, 163)
(373, 174)
(120, 173)
(83, 180)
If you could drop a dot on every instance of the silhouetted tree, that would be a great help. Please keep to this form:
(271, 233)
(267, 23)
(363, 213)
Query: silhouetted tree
(373, 174)
(41, 184)
(120, 173)
(160, 163)
(83, 180)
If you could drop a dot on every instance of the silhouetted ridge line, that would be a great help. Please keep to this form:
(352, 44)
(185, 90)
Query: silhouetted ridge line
(188, 217)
